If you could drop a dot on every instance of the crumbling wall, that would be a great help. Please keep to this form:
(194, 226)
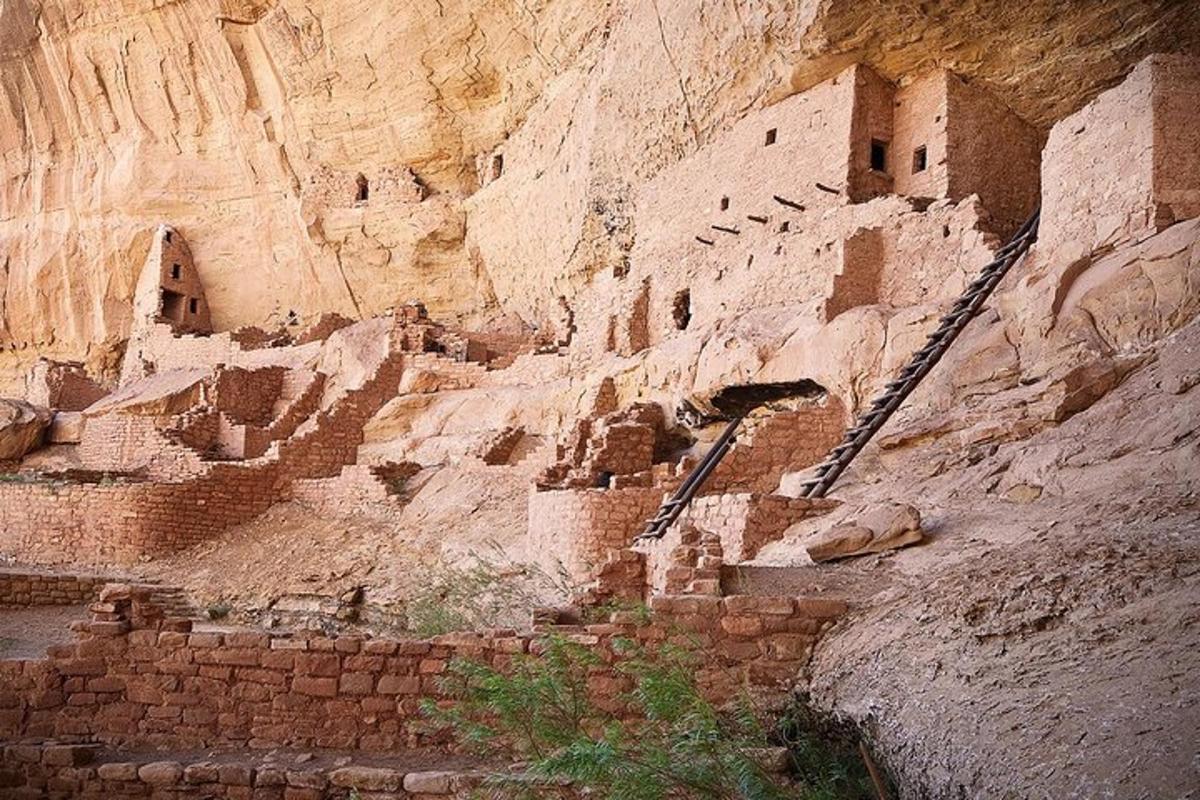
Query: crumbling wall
(136, 678)
(24, 588)
(579, 528)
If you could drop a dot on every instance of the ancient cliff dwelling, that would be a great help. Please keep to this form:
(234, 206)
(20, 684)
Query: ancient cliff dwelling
(650, 399)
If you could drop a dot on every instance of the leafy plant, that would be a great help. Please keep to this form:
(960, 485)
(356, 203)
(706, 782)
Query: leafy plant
(658, 738)
(218, 610)
(824, 756)
(489, 591)
(602, 612)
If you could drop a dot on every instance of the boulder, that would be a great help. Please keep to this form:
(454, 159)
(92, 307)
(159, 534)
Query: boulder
(22, 428)
(66, 427)
(883, 528)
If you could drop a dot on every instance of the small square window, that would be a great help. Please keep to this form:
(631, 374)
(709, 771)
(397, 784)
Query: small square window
(785, 226)
(920, 159)
(724, 203)
(772, 135)
(879, 155)
(193, 306)
(176, 272)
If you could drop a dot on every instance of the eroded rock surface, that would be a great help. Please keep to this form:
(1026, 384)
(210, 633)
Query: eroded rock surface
(22, 426)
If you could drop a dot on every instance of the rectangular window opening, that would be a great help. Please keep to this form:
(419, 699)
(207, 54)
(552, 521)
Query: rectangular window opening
(167, 237)
(724, 203)
(920, 160)
(497, 165)
(879, 155)
(193, 305)
(176, 272)
(172, 305)
(772, 135)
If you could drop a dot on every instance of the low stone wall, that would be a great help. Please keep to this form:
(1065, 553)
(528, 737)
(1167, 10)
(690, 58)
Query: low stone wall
(41, 770)
(20, 588)
(745, 522)
(135, 680)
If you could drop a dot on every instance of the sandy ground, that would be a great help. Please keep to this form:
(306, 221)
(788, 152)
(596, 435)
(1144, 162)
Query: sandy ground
(388, 552)
(27, 632)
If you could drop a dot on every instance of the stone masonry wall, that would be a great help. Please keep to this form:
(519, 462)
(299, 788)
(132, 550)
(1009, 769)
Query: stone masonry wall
(23, 588)
(784, 442)
(1104, 170)
(54, 521)
(57, 770)
(580, 528)
(129, 681)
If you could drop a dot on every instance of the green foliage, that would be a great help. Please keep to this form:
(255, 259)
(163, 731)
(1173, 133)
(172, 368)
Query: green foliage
(488, 591)
(825, 758)
(659, 739)
(218, 610)
(601, 612)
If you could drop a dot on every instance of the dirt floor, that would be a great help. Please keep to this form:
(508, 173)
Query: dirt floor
(390, 552)
(27, 632)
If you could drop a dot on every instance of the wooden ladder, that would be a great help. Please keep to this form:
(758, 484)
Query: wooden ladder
(922, 361)
(827, 472)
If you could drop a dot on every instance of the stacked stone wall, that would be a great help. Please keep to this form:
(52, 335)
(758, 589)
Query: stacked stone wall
(65, 770)
(23, 588)
(55, 522)
(129, 442)
(1105, 169)
(159, 688)
(783, 442)
(580, 528)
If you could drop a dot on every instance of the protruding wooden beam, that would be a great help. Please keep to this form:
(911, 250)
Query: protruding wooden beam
(783, 201)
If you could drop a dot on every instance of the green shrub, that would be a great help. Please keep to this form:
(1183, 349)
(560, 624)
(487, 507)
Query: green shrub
(488, 591)
(668, 742)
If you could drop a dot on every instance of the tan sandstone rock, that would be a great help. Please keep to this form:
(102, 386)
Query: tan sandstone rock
(22, 426)
(884, 528)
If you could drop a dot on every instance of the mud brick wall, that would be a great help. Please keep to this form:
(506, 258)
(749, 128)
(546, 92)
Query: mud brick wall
(41, 770)
(19, 588)
(250, 689)
(580, 528)
(784, 442)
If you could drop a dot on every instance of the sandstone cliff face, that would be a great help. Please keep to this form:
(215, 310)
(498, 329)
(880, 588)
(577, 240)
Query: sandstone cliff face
(247, 124)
